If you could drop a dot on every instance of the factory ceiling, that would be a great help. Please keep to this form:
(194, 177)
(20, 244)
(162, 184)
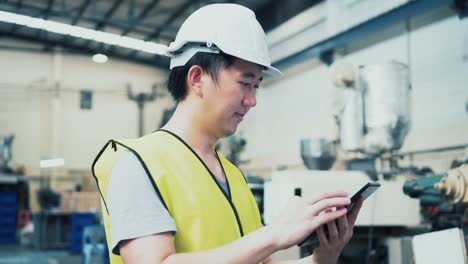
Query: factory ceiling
(149, 20)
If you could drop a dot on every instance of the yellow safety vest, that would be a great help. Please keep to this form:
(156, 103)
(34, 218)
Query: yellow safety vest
(205, 216)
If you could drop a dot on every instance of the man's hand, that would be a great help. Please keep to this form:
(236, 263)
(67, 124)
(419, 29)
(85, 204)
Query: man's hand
(338, 236)
(303, 216)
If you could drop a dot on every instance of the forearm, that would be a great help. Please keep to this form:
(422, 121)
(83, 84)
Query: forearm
(252, 248)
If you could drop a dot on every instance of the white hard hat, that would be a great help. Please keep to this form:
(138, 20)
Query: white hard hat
(229, 28)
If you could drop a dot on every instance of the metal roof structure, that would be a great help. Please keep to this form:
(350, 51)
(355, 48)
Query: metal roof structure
(149, 20)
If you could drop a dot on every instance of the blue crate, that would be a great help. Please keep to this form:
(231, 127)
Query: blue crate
(78, 229)
(82, 222)
(80, 225)
(77, 224)
(7, 240)
(76, 241)
(81, 215)
(8, 205)
(76, 237)
(7, 235)
(7, 220)
(78, 248)
(8, 210)
(79, 221)
(7, 229)
(7, 198)
(76, 245)
(82, 218)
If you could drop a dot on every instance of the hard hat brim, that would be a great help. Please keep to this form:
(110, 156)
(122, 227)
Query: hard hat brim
(272, 71)
(174, 47)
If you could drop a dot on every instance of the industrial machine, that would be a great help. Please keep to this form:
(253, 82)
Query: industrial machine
(443, 198)
(5, 151)
(373, 121)
(454, 185)
(12, 181)
(14, 194)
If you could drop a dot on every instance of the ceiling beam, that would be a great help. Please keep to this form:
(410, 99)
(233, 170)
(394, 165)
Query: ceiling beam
(103, 22)
(17, 7)
(143, 28)
(135, 22)
(45, 16)
(168, 21)
(77, 17)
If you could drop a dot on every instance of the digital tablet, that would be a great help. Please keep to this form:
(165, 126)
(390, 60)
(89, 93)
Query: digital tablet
(366, 191)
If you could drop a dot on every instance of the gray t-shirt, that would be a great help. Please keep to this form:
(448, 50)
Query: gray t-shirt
(135, 209)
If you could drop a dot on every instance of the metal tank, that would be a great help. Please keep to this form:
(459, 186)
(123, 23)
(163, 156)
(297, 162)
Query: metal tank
(386, 94)
(351, 120)
(317, 153)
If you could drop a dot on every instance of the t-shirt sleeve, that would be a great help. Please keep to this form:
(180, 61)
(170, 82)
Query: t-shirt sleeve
(135, 210)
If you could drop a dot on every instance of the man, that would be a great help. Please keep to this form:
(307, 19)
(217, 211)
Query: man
(171, 198)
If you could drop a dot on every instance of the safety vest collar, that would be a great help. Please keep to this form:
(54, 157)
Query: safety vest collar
(227, 197)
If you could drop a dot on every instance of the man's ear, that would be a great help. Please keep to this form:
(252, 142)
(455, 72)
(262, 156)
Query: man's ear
(195, 80)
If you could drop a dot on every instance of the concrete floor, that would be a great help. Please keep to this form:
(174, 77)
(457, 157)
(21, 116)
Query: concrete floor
(15, 254)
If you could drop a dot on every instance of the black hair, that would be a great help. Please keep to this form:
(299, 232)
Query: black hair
(211, 63)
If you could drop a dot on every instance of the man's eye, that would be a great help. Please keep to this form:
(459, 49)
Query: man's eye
(244, 84)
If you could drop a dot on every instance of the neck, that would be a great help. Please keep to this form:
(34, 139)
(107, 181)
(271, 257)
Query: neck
(188, 125)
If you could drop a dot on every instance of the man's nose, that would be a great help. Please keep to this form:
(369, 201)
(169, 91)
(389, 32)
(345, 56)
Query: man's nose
(250, 98)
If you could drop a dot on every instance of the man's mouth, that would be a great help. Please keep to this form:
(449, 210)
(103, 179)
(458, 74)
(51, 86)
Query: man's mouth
(240, 115)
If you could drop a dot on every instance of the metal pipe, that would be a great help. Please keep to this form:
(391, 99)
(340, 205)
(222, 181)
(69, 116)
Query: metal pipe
(426, 151)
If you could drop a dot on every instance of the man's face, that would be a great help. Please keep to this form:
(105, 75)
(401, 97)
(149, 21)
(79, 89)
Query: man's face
(228, 100)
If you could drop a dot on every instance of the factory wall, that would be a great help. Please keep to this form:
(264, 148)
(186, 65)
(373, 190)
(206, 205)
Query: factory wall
(48, 122)
(301, 104)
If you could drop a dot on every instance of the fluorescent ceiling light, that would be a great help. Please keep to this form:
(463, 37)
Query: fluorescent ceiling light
(84, 33)
(99, 58)
(52, 163)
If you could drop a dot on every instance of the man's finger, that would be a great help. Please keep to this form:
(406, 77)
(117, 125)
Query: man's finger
(321, 236)
(329, 203)
(343, 225)
(355, 211)
(332, 231)
(327, 217)
(327, 195)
